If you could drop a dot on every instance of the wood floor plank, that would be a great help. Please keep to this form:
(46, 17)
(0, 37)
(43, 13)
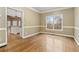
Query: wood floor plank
(40, 43)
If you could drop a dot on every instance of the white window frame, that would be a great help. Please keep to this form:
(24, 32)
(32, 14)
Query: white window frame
(53, 23)
(46, 23)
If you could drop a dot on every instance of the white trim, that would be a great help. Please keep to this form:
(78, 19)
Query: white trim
(22, 23)
(63, 26)
(58, 34)
(30, 35)
(30, 26)
(33, 9)
(53, 34)
(76, 41)
(61, 15)
(6, 32)
(3, 29)
(52, 10)
(15, 8)
(68, 26)
(3, 44)
(22, 19)
(55, 10)
(45, 26)
(77, 28)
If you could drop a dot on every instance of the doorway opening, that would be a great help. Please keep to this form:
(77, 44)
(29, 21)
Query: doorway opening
(14, 23)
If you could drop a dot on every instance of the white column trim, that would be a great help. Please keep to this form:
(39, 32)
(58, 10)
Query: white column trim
(30, 26)
(3, 29)
(77, 28)
(45, 26)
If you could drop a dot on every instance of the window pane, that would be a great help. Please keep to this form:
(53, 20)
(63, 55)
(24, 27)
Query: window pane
(49, 22)
(9, 23)
(58, 22)
(14, 23)
(19, 23)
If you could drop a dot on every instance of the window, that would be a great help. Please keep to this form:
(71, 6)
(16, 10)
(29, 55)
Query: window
(54, 22)
(14, 23)
(9, 23)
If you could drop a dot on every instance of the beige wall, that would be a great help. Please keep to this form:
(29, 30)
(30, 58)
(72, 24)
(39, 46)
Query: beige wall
(2, 19)
(76, 24)
(31, 20)
(2, 36)
(68, 21)
(2, 25)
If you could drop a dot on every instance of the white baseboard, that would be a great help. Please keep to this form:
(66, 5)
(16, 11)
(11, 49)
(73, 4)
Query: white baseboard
(3, 44)
(63, 35)
(58, 34)
(31, 35)
(49, 33)
(76, 41)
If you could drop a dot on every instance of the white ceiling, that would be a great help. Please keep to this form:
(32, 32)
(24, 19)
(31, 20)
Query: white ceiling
(48, 9)
(45, 8)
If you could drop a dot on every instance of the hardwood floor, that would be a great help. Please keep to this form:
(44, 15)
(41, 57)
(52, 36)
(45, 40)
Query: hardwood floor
(40, 43)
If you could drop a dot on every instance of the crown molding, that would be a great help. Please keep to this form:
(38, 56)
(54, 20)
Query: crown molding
(52, 10)
(34, 9)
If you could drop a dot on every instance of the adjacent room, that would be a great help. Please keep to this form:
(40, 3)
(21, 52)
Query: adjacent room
(39, 29)
(14, 22)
